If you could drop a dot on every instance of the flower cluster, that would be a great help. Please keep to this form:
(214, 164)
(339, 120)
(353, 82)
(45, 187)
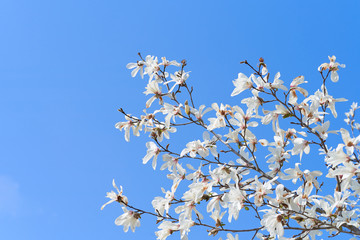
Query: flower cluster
(241, 171)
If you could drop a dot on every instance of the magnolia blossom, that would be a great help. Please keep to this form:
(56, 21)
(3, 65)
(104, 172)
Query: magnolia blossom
(128, 219)
(178, 78)
(231, 237)
(216, 216)
(351, 114)
(337, 156)
(333, 67)
(261, 190)
(294, 87)
(294, 174)
(152, 152)
(273, 116)
(167, 63)
(350, 143)
(273, 222)
(241, 84)
(303, 194)
(241, 120)
(187, 209)
(167, 228)
(235, 202)
(162, 204)
(195, 147)
(347, 172)
(277, 83)
(300, 145)
(138, 66)
(171, 112)
(152, 66)
(153, 88)
(171, 163)
(130, 124)
(119, 197)
(159, 131)
(282, 196)
(253, 103)
(323, 130)
(219, 121)
(260, 83)
(245, 165)
(210, 143)
(200, 113)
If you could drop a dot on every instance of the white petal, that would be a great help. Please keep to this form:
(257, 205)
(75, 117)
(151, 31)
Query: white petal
(334, 76)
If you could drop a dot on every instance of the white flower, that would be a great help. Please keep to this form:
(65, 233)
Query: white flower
(281, 195)
(214, 203)
(350, 143)
(322, 99)
(294, 86)
(153, 88)
(242, 120)
(210, 143)
(260, 84)
(294, 174)
(273, 222)
(185, 225)
(153, 151)
(119, 197)
(234, 200)
(219, 121)
(139, 65)
(195, 175)
(161, 204)
(347, 172)
(167, 228)
(273, 116)
(171, 163)
(128, 219)
(337, 156)
(233, 136)
(241, 83)
(323, 130)
(152, 66)
(161, 131)
(200, 113)
(171, 112)
(300, 145)
(216, 216)
(231, 237)
(347, 217)
(252, 103)
(187, 209)
(261, 190)
(167, 63)
(311, 176)
(127, 126)
(195, 147)
(333, 67)
(278, 84)
(178, 78)
(351, 114)
(303, 194)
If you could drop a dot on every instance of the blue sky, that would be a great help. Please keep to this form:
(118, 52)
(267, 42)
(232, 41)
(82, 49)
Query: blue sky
(63, 77)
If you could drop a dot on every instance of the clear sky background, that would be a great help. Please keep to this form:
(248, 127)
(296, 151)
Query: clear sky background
(63, 77)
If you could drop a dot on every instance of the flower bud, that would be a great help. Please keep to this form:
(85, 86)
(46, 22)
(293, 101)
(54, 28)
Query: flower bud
(213, 231)
(187, 108)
